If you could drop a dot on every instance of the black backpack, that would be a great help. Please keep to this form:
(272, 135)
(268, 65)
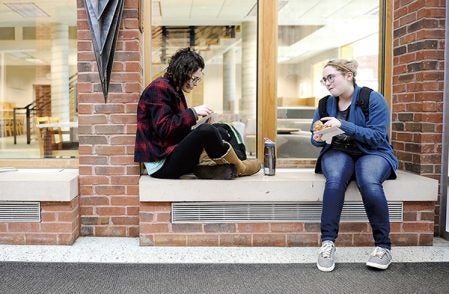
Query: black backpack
(232, 136)
(362, 102)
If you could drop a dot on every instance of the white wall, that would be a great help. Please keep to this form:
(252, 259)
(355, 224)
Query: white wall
(20, 80)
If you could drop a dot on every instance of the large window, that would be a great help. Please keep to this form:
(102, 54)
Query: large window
(38, 66)
(225, 34)
(309, 34)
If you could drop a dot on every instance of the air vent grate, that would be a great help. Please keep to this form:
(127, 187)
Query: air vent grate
(12, 211)
(233, 212)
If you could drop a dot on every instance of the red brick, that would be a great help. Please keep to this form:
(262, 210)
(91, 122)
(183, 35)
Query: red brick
(269, 240)
(146, 217)
(109, 190)
(57, 227)
(353, 227)
(67, 216)
(187, 228)
(163, 217)
(24, 227)
(67, 239)
(252, 228)
(425, 239)
(132, 210)
(417, 226)
(124, 200)
(41, 239)
(13, 239)
(46, 217)
(202, 240)
(310, 239)
(132, 231)
(125, 220)
(154, 228)
(155, 206)
(235, 240)
(287, 227)
(110, 210)
(404, 239)
(146, 240)
(110, 231)
(418, 206)
(170, 240)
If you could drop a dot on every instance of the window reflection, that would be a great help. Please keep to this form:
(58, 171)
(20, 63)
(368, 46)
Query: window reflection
(38, 74)
(226, 37)
(309, 34)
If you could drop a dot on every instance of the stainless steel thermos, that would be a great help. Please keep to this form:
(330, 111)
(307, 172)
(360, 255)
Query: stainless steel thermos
(269, 162)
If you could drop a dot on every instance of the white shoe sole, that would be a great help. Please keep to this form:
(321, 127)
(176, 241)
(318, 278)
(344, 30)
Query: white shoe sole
(326, 269)
(378, 266)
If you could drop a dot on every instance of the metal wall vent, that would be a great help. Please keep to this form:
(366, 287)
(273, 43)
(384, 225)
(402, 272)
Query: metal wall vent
(14, 211)
(233, 212)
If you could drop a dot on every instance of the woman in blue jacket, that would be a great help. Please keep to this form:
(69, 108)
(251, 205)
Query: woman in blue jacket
(362, 153)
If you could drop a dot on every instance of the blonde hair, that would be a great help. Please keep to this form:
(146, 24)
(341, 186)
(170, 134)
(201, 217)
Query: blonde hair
(344, 66)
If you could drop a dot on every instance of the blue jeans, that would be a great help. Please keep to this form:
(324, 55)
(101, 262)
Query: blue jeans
(369, 171)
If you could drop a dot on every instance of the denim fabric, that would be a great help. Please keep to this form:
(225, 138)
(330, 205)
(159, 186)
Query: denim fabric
(369, 172)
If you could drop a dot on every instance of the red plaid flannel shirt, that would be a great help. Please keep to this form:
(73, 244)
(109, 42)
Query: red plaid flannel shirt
(163, 120)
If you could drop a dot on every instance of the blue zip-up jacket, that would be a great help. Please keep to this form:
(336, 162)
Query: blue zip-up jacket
(371, 134)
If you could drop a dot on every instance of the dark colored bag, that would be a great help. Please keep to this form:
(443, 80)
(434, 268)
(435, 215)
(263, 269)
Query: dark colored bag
(232, 136)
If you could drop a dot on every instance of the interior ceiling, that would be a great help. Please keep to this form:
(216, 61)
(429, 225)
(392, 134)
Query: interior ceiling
(330, 19)
(334, 23)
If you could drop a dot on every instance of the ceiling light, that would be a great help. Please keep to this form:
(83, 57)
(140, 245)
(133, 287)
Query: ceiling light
(27, 9)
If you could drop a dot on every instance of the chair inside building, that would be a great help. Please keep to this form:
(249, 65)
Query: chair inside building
(50, 137)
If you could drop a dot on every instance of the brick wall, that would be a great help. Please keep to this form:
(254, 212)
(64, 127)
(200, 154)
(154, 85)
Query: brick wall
(59, 226)
(109, 202)
(157, 230)
(418, 71)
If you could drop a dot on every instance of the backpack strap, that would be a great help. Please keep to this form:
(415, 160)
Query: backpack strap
(322, 106)
(363, 101)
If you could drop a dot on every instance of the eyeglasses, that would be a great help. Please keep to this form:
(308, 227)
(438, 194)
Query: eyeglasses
(195, 80)
(330, 78)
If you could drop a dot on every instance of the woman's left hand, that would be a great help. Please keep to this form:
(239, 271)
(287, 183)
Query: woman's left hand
(331, 121)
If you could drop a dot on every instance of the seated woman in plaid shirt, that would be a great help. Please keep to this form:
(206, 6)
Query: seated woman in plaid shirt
(165, 141)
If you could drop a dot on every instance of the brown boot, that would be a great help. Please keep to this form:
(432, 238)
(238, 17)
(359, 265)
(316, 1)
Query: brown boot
(244, 168)
(208, 169)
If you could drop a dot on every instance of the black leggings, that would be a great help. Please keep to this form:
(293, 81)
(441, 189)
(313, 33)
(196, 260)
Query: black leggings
(186, 154)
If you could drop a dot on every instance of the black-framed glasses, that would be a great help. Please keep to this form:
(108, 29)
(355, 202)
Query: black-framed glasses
(195, 80)
(330, 78)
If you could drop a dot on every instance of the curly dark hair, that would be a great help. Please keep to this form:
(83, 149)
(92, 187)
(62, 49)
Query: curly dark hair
(182, 65)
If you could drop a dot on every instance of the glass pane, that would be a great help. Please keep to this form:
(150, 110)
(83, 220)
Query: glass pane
(311, 33)
(226, 37)
(38, 74)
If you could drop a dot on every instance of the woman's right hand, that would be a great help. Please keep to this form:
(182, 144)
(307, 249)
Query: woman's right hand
(203, 110)
(318, 137)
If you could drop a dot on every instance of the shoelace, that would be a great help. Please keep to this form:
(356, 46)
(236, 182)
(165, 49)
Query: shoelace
(326, 250)
(379, 252)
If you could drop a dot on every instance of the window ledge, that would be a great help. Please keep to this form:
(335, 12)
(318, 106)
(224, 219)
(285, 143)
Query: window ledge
(286, 185)
(39, 184)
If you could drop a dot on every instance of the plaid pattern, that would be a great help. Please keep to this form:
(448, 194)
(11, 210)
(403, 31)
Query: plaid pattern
(163, 120)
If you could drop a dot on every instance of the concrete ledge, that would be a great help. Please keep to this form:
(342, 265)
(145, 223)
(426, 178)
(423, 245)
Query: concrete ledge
(38, 184)
(286, 185)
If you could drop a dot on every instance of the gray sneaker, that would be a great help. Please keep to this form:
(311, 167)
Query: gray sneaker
(380, 258)
(326, 257)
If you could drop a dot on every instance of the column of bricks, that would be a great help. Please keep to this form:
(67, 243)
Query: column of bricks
(418, 71)
(109, 201)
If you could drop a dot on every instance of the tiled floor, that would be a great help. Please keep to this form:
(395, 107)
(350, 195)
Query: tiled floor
(127, 250)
